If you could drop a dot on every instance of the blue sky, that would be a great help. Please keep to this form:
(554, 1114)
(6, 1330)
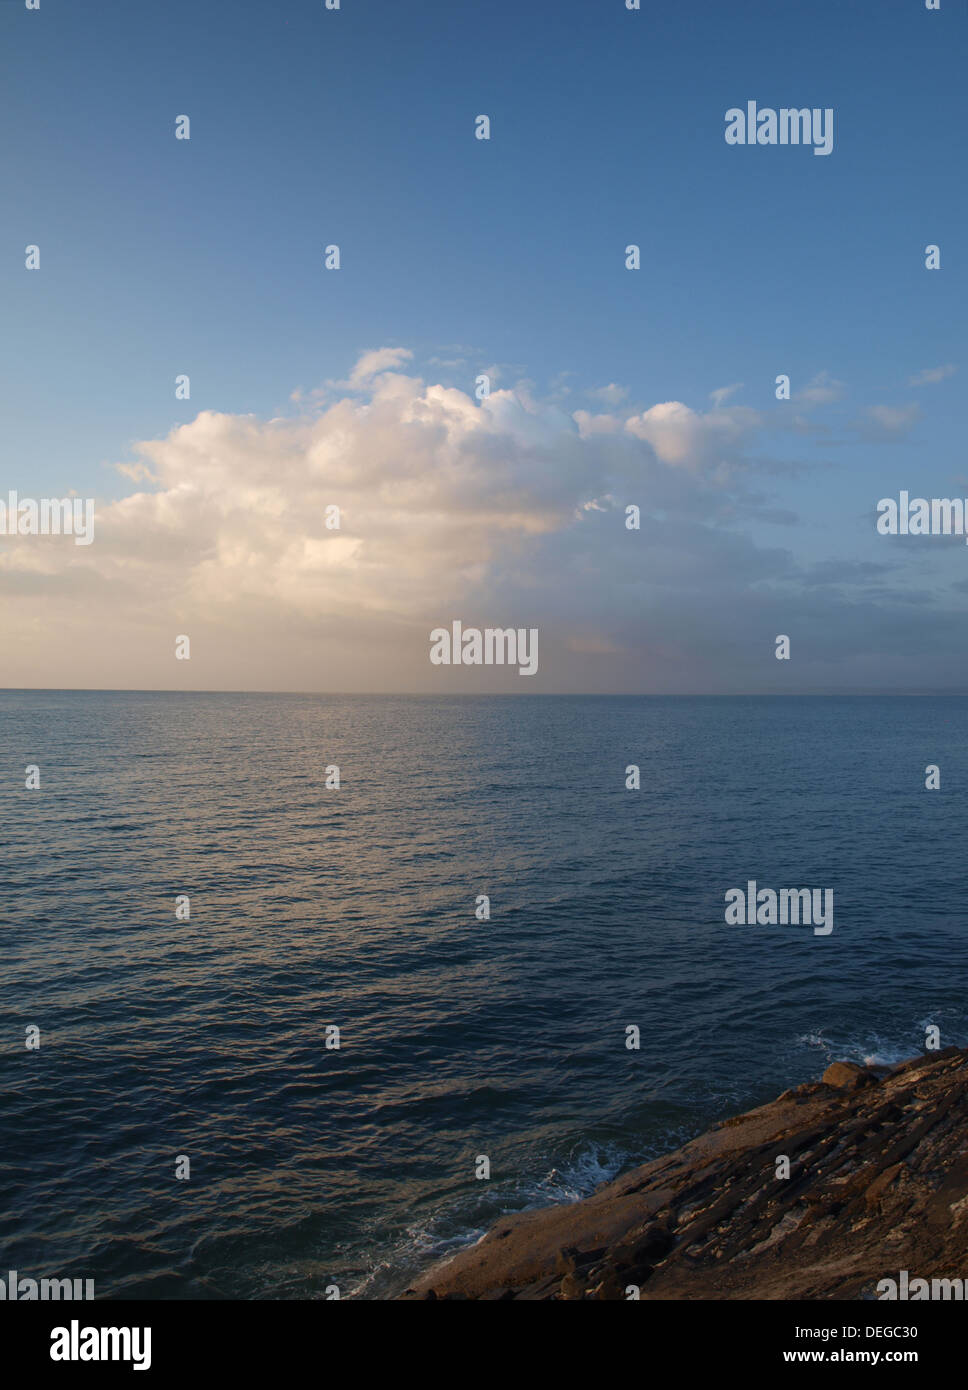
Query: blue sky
(357, 127)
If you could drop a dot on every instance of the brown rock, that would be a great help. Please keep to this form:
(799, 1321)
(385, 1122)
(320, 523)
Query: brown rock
(846, 1076)
(567, 1261)
(874, 1193)
(879, 1182)
(654, 1243)
(610, 1290)
(572, 1287)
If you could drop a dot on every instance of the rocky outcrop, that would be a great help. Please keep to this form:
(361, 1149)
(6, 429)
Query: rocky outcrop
(878, 1182)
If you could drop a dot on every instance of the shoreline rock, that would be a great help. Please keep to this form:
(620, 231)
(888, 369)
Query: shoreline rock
(878, 1182)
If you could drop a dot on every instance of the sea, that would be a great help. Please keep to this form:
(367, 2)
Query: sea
(479, 975)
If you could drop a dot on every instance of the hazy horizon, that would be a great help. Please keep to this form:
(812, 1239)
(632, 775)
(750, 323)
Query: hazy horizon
(859, 694)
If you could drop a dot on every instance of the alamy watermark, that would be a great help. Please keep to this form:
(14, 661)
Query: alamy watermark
(904, 1289)
(921, 516)
(789, 907)
(490, 646)
(50, 516)
(77, 1343)
(788, 126)
(19, 1288)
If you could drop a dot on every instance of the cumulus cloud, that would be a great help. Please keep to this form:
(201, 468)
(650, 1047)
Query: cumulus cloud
(589, 424)
(689, 439)
(369, 366)
(508, 511)
(379, 360)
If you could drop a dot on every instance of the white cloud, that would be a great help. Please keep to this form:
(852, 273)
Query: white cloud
(722, 394)
(378, 360)
(820, 390)
(612, 394)
(684, 438)
(931, 375)
(507, 511)
(595, 424)
(887, 422)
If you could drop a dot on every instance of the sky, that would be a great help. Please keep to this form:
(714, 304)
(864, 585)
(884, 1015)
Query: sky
(460, 257)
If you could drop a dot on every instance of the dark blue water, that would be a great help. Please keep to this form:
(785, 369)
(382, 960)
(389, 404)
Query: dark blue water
(313, 907)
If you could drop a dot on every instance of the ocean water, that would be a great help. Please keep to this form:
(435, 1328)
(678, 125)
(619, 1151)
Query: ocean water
(356, 908)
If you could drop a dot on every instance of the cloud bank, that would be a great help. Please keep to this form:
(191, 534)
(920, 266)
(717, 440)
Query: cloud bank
(509, 511)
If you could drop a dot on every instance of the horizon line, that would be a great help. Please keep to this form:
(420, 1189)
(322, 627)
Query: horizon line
(825, 693)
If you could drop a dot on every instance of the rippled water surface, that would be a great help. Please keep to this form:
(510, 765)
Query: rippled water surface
(313, 907)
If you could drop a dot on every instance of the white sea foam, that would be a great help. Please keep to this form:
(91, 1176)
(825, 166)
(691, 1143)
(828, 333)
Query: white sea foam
(871, 1049)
